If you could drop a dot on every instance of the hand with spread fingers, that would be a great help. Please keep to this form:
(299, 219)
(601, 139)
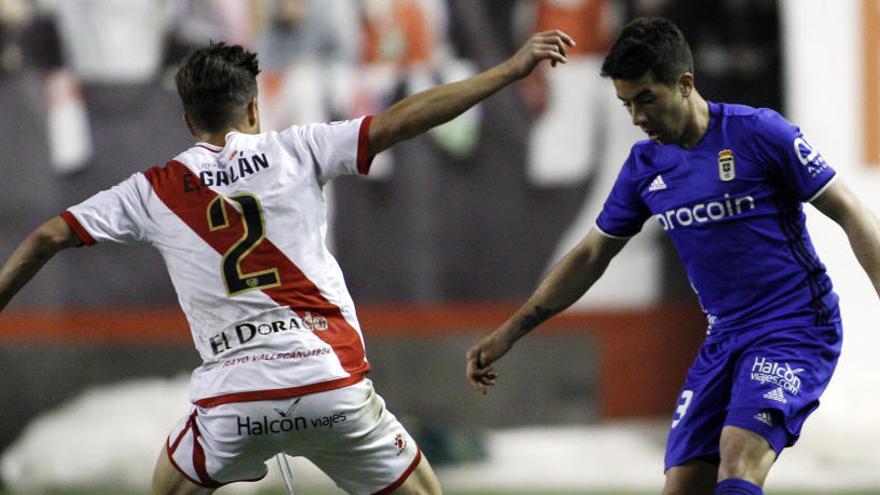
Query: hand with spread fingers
(546, 45)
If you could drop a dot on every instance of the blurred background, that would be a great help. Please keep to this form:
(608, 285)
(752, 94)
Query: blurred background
(448, 234)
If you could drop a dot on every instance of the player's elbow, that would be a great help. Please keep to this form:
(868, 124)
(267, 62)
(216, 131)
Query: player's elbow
(853, 218)
(388, 128)
(53, 236)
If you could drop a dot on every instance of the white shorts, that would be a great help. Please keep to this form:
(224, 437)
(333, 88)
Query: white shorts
(348, 433)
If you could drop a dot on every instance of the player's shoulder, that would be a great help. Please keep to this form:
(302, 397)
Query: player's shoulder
(307, 130)
(736, 110)
(647, 154)
(744, 118)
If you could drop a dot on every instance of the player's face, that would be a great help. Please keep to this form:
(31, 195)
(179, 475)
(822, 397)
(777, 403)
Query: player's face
(658, 109)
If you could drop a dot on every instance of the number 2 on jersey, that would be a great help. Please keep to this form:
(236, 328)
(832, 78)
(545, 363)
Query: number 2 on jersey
(254, 233)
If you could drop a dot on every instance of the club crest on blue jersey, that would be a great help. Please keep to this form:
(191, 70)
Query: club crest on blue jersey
(726, 165)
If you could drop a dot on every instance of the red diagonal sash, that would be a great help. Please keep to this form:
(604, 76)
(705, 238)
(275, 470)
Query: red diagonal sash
(179, 189)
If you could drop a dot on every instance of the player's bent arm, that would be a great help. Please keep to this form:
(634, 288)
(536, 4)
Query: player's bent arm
(32, 254)
(567, 282)
(860, 224)
(418, 113)
(564, 285)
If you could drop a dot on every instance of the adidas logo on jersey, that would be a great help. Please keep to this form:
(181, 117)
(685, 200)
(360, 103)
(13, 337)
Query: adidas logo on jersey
(658, 184)
(776, 394)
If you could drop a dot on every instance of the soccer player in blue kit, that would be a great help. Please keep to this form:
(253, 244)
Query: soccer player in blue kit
(727, 183)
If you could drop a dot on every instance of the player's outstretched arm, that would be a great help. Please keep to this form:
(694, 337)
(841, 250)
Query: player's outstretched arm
(32, 254)
(564, 285)
(860, 224)
(418, 113)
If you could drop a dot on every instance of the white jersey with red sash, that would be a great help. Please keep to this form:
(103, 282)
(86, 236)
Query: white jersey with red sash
(242, 230)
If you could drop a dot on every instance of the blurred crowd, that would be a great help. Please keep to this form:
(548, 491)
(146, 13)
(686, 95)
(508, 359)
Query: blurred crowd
(87, 98)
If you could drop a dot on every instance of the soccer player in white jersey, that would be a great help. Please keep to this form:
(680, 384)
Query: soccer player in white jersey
(727, 183)
(240, 221)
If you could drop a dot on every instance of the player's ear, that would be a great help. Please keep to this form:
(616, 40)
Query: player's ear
(189, 125)
(253, 113)
(686, 84)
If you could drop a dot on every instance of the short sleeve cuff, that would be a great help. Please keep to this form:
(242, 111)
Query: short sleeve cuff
(363, 159)
(822, 189)
(77, 227)
(612, 236)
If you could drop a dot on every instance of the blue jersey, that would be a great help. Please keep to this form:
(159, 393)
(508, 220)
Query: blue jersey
(732, 205)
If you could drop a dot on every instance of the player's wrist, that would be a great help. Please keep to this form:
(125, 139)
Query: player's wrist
(512, 331)
(509, 71)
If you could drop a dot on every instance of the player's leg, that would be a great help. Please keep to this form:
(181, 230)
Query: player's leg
(745, 456)
(215, 446)
(167, 480)
(422, 481)
(781, 375)
(695, 477)
(692, 454)
(368, 450)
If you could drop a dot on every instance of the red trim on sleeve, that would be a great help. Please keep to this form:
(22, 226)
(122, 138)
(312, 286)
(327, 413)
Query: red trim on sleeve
(394, 486)
(364, 161)
(77, 227)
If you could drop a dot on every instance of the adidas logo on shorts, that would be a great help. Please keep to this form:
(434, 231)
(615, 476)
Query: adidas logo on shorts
(764, 417)
(776, 394)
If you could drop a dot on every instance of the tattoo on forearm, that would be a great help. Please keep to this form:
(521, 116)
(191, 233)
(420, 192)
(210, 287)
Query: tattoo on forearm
(535, 318)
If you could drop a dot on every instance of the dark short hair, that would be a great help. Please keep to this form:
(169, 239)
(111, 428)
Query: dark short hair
(215, 83)
(649, 44)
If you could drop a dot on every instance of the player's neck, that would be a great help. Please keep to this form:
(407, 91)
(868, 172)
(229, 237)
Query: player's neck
(219, 138)
(698, 121)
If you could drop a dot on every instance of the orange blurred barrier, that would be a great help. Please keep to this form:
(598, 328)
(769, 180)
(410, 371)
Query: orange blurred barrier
(643, 353)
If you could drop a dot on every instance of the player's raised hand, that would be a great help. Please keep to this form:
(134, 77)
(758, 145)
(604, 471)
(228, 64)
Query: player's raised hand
(546, 45)
(480, 357)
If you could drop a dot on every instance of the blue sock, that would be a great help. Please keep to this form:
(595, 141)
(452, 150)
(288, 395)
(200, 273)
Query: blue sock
(736, 486)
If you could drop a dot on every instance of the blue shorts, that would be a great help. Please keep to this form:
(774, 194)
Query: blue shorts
(765, 382)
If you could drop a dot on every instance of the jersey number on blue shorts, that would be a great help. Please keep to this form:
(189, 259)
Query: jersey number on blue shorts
(683, 403)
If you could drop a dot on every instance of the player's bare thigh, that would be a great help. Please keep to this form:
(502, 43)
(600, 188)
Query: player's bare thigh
(691, 478)
(422, 481)
(167, 480)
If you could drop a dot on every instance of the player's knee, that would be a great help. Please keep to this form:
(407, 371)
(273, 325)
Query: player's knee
(744, 455)
(743, 465)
